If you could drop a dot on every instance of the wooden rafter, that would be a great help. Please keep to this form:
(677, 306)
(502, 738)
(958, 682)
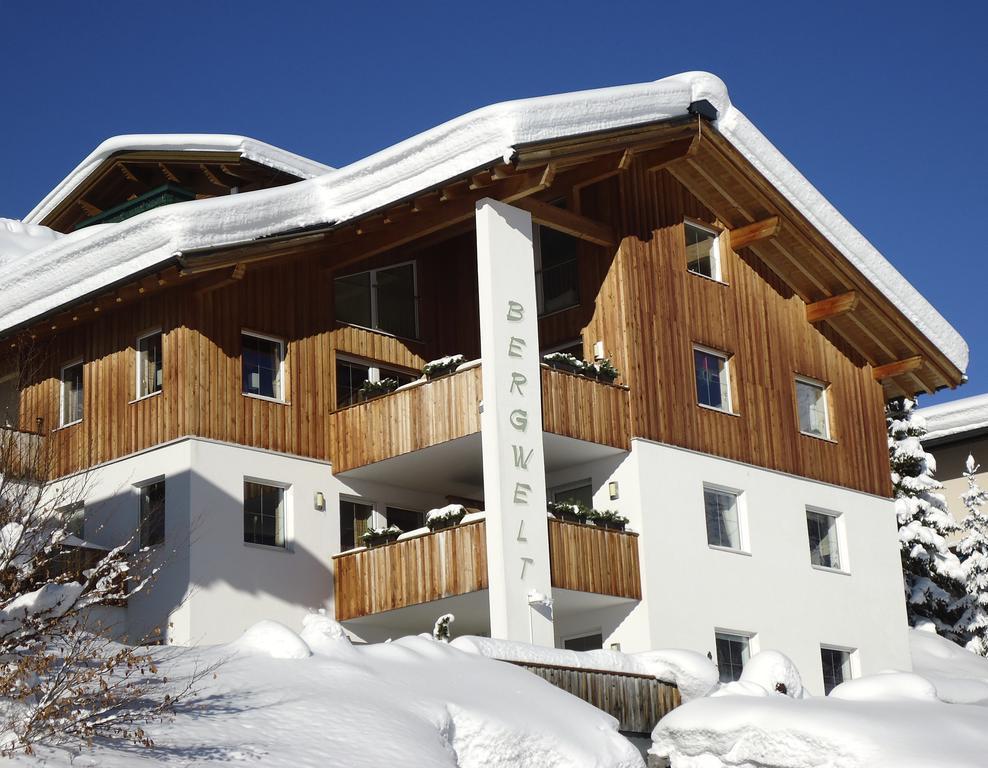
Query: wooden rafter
(212, 177)
(569, 223)
(898, 368)
(833, 306)
(752, 233)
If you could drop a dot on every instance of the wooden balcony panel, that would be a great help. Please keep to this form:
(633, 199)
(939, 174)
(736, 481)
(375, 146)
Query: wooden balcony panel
(441, 564)
(23, 455)
(578, 407)
(586, 558)
(406, 421)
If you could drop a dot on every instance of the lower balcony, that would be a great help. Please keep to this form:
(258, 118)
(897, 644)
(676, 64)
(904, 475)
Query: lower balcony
(404, 586)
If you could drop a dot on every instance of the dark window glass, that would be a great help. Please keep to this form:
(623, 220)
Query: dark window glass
(836, 668)
(264, 514)
(153, 514)
(261, 367)
(580, 495)
(406, 519)
(822, 531)
(355, 519)
(557, 277)
(586, 643)
(732, 654)
(350, 377)
(701, 251)
(711, 379)
(396, 300)
(71, 394)
(149, 365)
(353, 299)
(721, 509)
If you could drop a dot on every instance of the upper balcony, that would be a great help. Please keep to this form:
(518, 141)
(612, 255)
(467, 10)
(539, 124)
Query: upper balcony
(430, 413)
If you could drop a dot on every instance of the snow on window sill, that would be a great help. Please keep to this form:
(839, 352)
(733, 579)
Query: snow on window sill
(818, 437)
(825, 569)
(732, 550)
(718, 410)
(265, 398)
(716, 280)
(145, 397)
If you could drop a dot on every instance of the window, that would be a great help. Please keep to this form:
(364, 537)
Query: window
(149, 364)
(593, 642)
(352, 374)
(355, 519)
(574, 348)
(713, 387)
(811, 405)
(74, 519)
(573, 493)
(9, 401)
(263, 364)
(824, 548)
(71, 397)
(152, 513)
(732, 655)
(836, 667)
(723, 518)
(557, 275)
(264, 514)
(382, 299)
(405, 519)
(702, 251)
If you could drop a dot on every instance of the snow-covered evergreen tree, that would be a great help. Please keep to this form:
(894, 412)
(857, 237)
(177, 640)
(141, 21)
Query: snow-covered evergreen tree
(934, 580)
(973, 549)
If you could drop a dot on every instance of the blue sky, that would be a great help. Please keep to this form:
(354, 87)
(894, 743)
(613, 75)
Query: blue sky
(880, 105)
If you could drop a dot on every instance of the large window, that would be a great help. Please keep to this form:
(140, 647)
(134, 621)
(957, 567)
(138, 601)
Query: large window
(382, 299)
(71, 394)
(732, 655)
(557, 275)
(836, 667)
(702, 250)
(352, 376)
(580, 492)
(722, 510)
(406, 519)
(355, 519)
(264, 514)
(149, 364)
(811, 405)
(152, 530)
(713, 386)
(263, 366)
(824, 539)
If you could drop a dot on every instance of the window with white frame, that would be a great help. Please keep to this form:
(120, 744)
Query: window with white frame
(811, 405)
(836, 667)
(383, 299)
(152, 513)
(733, 651)
(557, 274)
(355, 519)
(824, 536)
(722, 509)
(263, 361)
(713, 385)
(71, 394)
(264, 514)
(702, 250)
(352, 374)
(149, 370)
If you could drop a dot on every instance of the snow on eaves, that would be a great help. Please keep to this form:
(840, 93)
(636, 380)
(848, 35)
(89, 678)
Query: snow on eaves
(68, 270)
(18, 239)
(250, 149)
(956, 417)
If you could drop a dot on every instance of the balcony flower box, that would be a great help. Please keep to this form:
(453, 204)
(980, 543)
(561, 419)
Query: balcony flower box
(371, 389)
(443, 366)
(569, 512)
(562, 361)
(445, 517)
(608, 519)
(378, 537)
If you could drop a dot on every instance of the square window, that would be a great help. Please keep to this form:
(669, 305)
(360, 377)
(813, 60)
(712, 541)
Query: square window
(713, 388)
(405, 519)
(823, 537)
(557, 275)
(264, 514)
(811, 405)
(732, 655)
(723, 518)
(152, 530)
(149, 364)
(71, 394)
(263, 364)
(355, 519)
(702, 251)
(381, 299)
(836, 667)
(353, 299)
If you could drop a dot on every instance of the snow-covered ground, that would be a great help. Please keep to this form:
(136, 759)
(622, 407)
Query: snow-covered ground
(936, 715)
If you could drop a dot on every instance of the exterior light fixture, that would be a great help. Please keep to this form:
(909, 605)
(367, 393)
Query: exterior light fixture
(612, 490)
(319, 501)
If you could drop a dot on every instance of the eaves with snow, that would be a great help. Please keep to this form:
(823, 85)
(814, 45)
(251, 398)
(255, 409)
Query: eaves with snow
(81, 264)
(957, 419)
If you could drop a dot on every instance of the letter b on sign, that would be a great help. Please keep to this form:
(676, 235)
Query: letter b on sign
(515, 311)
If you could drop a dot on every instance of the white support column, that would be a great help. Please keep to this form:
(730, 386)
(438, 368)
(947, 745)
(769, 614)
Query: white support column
(511, 427)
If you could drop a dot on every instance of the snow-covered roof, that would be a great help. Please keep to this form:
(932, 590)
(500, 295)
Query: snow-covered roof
(250, 149)
(65, 271)
(956, 417)
(18, 239)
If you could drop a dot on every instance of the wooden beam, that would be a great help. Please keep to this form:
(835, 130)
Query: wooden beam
(832, 306)
(898, 368)
(569, 223)
(213, 178)
(752, 233)
(168, 173)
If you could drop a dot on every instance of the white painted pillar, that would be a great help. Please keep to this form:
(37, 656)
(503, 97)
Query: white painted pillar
(511, 427)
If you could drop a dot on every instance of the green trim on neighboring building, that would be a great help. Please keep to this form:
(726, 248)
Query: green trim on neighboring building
(166, 194)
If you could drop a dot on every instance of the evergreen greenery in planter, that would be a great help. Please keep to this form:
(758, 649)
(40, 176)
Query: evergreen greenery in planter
(371, 389)
(569, 511)
(444, 365)
(608, 518)
(606, 371)
(602, 371)
(445, 517)
(375, 537)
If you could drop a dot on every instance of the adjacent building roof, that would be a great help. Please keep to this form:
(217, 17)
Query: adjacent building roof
(64, 271)
(956, 419)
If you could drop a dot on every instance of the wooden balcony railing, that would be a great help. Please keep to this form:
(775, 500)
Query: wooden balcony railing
(454, 562)
(448, 407)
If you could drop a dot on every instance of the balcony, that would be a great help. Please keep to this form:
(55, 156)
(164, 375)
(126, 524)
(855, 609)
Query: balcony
(23, 455)
(435, 412)
(453, 562)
